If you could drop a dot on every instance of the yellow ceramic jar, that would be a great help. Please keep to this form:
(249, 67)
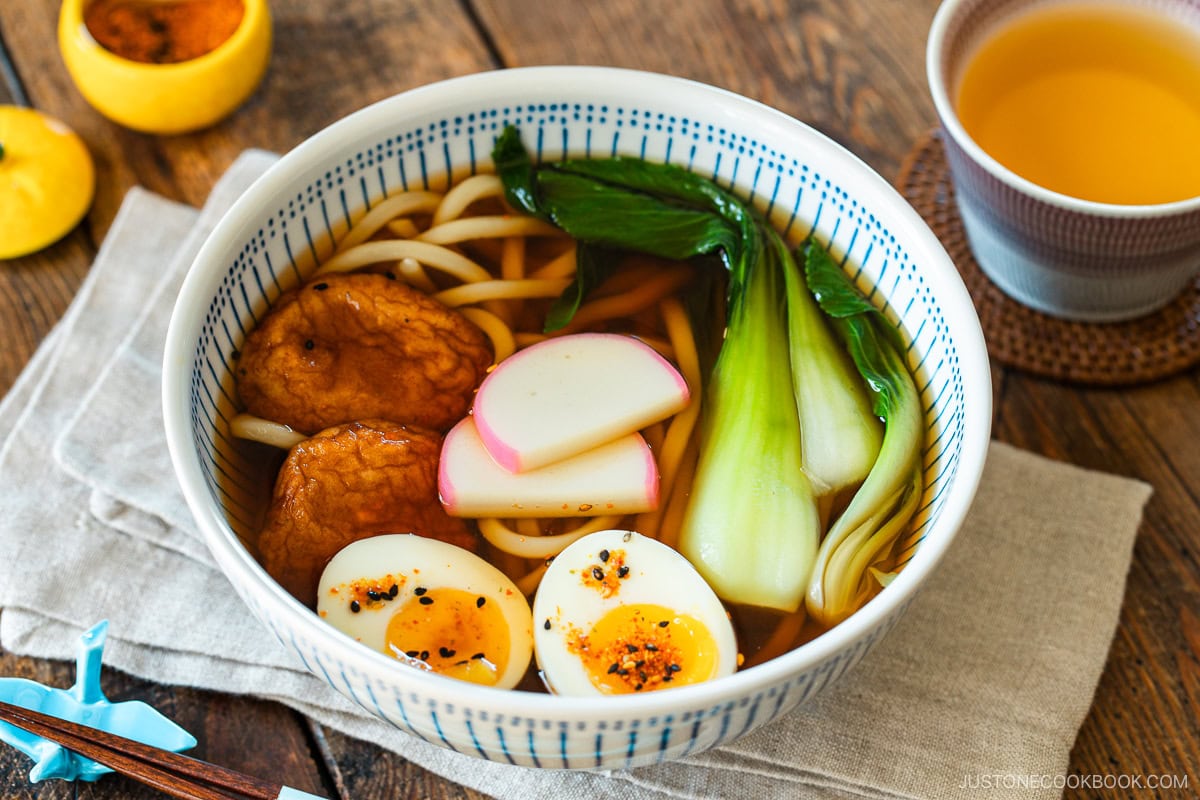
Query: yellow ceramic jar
(167, 98)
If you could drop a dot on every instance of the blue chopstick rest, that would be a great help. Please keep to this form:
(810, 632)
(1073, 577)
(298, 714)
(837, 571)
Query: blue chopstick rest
(84, 703)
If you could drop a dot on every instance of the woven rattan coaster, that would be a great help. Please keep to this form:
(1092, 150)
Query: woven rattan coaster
(1110, 354)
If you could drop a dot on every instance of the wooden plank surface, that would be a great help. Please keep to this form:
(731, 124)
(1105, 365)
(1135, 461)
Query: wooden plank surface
(854, 69)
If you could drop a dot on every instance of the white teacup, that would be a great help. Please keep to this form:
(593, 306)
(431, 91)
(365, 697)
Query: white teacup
(1061, 255)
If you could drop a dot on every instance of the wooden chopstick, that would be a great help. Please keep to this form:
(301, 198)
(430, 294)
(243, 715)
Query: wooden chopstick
(177, 775)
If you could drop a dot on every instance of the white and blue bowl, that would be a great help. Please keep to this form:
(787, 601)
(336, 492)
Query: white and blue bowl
(287, 221)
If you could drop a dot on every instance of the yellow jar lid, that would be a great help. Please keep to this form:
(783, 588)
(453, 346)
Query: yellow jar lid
(47, 180)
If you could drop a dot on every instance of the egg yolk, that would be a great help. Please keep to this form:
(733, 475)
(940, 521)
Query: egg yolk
(644, 646)
(452, 632)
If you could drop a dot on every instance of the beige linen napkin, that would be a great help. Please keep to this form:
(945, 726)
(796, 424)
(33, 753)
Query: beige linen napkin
(989, 674)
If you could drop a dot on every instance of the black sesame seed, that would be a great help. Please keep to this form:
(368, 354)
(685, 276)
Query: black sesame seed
(604, 556)
(462, 663)
(673, 668)
(320, 287)
(622, 571)
(637, 687)
(546, 624)
(664, 623)
(355, 607)
(642, 676)
(641, 662)
(420, 590)
(446, 652)
(424, 655)
(411, 653)
(479, 601)
(309, 344)
(426, 601)
(667, 678)
(597, 573)
(633, 648)
(653, 648)
(622, 672)
(477, 656)
(372, 594)
(613, 667)
(395, 590)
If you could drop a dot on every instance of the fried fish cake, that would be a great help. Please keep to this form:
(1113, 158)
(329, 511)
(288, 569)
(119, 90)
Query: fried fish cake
(361, 346)
(348, 483)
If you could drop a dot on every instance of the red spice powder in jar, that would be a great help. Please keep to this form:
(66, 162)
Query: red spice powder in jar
(162, 31)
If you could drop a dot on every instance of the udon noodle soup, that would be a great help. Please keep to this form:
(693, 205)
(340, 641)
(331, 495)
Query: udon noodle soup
(471, 280)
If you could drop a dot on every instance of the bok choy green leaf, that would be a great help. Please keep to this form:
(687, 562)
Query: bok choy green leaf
(622, 204)
(593, 264)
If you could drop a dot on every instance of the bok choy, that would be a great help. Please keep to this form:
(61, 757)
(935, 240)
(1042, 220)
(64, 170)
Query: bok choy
(864, 534)
(751, 527)
(839, 433)
(782, 403)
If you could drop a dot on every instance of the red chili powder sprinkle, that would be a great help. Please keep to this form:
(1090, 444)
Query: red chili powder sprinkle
(605, 576)
(371, 591)
(642, 659)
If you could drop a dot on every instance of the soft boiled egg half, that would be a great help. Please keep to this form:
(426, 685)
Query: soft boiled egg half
(431, 605)
(618, 613)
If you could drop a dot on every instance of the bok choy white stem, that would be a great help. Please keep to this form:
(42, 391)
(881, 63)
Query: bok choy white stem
(751, 527)
(839, 433)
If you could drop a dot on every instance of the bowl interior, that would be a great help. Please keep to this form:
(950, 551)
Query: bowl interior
(288, 221)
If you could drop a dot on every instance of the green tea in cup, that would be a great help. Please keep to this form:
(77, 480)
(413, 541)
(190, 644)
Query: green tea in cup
(1071, 129)
(1099, 101)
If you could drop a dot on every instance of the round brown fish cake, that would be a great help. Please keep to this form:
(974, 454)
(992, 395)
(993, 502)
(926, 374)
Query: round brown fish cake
(361, 346)
(348, 483)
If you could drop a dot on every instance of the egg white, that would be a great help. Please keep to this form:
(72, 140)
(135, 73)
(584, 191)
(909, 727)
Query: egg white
(416, 561)
(657, 574)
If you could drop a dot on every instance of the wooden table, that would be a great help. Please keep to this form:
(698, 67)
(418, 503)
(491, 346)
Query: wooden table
(854, 69)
